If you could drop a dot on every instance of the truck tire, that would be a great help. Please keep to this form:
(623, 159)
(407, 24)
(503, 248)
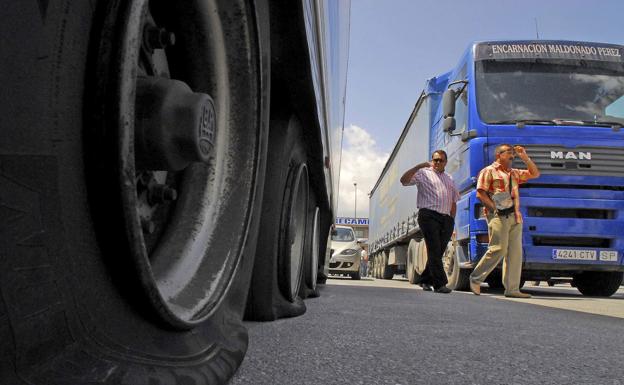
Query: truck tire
(89, 293)
(311, 251)
(278, 267)
(356, 276)
(598, 283)
(495, 280)
(387, 270)
(458, 278)
(412, 249)
(416, 260)
(375, 266)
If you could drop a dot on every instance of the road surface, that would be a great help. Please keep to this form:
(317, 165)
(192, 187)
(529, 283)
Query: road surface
(391, 332)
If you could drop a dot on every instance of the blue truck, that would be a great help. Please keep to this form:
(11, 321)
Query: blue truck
(563, 101)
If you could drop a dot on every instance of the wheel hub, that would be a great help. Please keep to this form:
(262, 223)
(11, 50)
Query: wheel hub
(174, 126)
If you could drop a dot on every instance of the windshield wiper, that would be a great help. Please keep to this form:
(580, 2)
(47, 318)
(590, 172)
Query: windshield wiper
(603, 123)
(522, 122)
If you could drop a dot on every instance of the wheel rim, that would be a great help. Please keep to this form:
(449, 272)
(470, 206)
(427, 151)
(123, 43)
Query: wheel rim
(421, 260)
(314, 252)
(293, 230)
(173, 208)
(410, 264)
(448, 261)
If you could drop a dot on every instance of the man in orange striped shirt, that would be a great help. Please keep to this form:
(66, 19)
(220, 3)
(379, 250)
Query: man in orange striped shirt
(497, 189)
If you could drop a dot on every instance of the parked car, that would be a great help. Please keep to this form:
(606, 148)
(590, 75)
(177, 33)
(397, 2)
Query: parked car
(345, 252)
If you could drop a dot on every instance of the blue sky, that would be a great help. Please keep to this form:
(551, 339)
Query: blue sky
(396, 45)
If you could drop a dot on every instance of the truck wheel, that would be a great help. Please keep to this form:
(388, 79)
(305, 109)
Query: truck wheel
(495, 280)
(411, 255)
(356, 276)
(598, 283)
(416, 260)
(387, 270)
(278, 267)
(128, 235)
(311, 251)
(375, 265)
(458, 278)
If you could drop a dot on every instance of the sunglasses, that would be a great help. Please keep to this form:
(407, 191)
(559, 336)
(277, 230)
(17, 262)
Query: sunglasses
(438, 160)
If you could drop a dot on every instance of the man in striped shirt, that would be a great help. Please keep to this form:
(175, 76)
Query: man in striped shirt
(436, 202)
(497, 189)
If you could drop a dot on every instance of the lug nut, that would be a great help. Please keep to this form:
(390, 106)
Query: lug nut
(161, 193)
(156, 38)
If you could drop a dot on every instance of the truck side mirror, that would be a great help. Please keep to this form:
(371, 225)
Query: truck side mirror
(448, 125)
(448, 103)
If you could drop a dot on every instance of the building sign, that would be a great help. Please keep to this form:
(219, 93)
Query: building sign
(549, 49)
(351, 221)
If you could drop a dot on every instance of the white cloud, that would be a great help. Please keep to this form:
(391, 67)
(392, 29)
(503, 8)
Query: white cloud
(362, 163)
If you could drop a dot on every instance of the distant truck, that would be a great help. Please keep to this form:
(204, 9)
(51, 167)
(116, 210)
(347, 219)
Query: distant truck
(563, 101)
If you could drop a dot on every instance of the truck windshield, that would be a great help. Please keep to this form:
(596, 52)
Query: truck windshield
(543, 92)
(343, 235)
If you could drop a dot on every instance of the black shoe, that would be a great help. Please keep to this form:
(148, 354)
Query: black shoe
(443, 289)
(426, 287)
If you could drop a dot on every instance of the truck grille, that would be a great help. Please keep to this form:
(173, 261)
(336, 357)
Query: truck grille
(572, 242)
(552, 212)
(584, 160)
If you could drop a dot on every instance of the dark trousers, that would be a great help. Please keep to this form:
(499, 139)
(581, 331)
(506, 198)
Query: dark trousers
(437, 229)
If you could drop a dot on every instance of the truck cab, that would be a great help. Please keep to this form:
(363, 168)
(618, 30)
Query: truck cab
(563, 101)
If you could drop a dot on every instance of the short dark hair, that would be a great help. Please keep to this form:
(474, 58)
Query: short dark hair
(441, 152)
(499, 148)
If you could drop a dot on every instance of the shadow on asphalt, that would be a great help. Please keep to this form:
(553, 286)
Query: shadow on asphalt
(550, 293)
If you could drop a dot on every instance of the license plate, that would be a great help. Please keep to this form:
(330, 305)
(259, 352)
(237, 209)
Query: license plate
(582, 255)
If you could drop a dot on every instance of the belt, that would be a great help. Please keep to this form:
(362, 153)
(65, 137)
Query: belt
(505, 212)
(424, 210)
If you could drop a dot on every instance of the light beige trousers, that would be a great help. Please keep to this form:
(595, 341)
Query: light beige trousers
(505, 242)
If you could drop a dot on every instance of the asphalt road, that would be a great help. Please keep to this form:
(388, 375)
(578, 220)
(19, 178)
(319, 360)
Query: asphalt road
(390, 332)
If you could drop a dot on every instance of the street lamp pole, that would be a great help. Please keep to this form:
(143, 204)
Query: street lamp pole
(355, 204)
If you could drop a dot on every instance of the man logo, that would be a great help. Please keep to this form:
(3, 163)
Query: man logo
(570, 155)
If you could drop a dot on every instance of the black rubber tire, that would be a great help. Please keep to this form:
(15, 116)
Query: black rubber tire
(376, 266)
(356, 276)
(412, 249)
(598, 283)
(64, 319)
(388, 271)
(266, 302)
(417, 250)
(495, 280)
(380, 264)
(312, 251)
(458, 278)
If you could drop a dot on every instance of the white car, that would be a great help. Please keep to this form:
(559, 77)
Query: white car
(345, 253)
